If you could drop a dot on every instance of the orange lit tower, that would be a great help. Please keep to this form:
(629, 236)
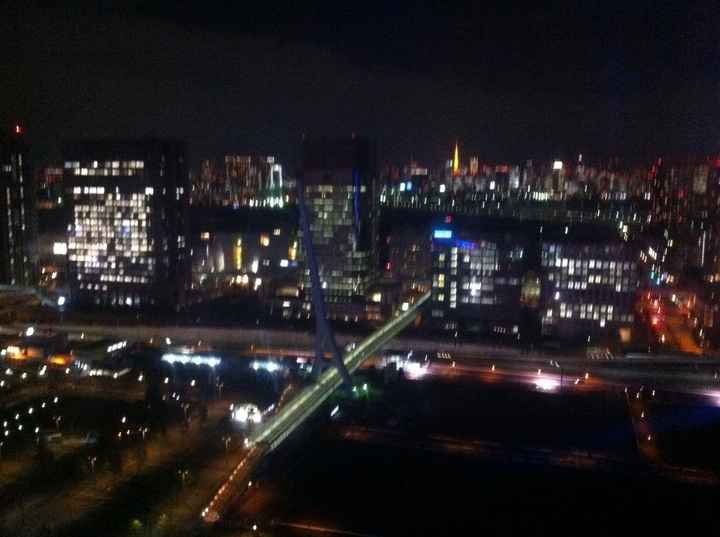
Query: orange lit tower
(456, 160)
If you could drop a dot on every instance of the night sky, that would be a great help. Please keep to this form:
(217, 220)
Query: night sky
(633, 78)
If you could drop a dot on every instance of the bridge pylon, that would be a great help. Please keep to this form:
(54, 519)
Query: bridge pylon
(324, 335)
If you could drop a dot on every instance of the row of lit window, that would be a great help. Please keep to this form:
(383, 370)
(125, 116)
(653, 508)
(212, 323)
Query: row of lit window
(94, 225)
(104, 232)
(584, 264)
(110, 224)
(481, 300)
(107, 213)
(103, 172)
(118, 271)
(328, 189)
(620, 284)
(112, 164)
(84, 253)
(116, 199)
(587, 273)
(125, 279)
(101, 241)
(595, 315)
(125, 210)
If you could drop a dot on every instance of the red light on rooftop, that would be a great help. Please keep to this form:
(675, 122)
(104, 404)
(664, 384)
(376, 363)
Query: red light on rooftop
(18, 129)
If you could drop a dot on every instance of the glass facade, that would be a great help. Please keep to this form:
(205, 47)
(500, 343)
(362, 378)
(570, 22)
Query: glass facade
(587, 286)
(477, 280)
(126, 236)
(110, 241)
(339, 179)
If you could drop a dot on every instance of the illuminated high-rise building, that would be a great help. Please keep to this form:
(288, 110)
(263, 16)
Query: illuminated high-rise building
(127, 232)
(476, 280)
(339, 179)
(589, 285)
(17, 224)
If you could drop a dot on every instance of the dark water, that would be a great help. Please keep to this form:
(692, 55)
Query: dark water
(379, 489)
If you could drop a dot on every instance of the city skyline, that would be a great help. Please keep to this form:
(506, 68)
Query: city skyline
(362, 268)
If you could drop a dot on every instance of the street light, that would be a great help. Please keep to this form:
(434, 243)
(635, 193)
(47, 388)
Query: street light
(557, 364)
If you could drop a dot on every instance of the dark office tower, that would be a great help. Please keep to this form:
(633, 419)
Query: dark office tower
(127, 231)
(339, 178)
(17, 210)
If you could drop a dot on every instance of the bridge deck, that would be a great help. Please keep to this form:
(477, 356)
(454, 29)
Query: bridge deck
(293, 414)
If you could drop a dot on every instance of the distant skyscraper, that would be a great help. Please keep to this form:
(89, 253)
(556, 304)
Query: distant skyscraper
(49, 187)
(339, 179)
(127, 232)
(474, 166)
(17, 210)
(255, 181)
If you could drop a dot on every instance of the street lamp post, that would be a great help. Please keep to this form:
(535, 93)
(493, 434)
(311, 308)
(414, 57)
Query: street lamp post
(557, 364)
(220, 386)
(183, 476)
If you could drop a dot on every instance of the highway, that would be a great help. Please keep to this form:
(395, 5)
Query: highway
(264, 339)
(587, 376)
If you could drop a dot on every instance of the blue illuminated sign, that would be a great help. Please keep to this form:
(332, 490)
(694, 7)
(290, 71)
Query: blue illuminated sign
(442, 234)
